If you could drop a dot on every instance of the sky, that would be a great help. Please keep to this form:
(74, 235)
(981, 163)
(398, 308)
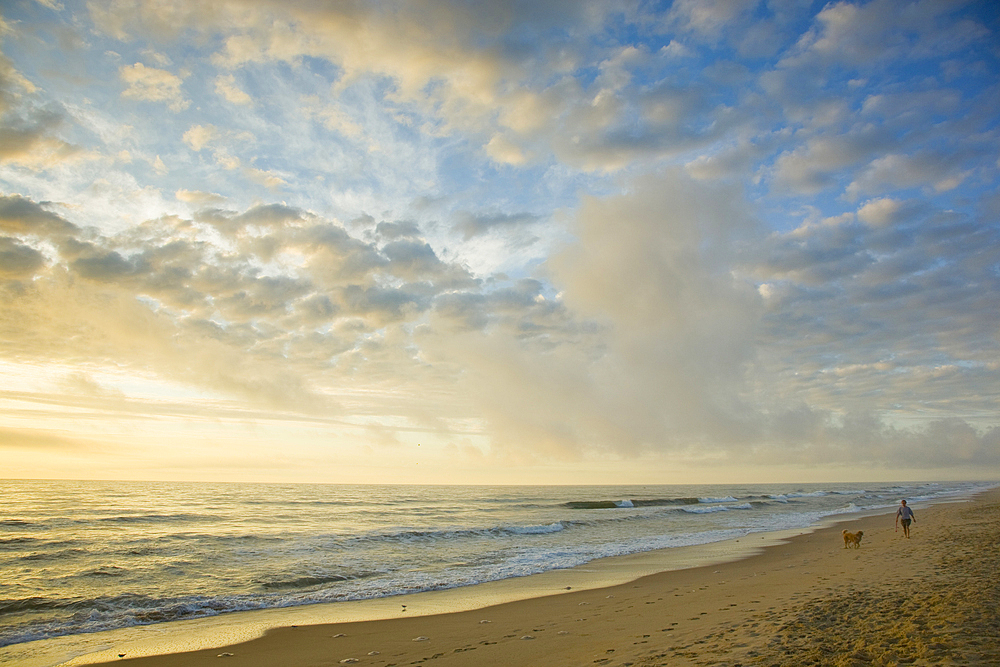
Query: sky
(505, 242)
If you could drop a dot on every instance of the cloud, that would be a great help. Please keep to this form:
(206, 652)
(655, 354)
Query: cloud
(109, 266)
(333, 118)
(813, 167)
(199, 198)
(897, 172)
(160, 297)
(34, 440)
(18, 260)
(81, 384)
(199, 136)
(397, 229)
(149, 84)
(269, 179)
(504, 151)
(648, 346)
(880, 211)
(12, 83)
(19, 215)
(884, 30)
(709, 18)
(225, 85)
(470, 225)
(30, 140)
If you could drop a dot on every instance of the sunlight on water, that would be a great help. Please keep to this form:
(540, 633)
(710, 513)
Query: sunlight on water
(80, 557)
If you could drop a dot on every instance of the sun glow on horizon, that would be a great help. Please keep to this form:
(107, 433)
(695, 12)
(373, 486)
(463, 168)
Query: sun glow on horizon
(534, 243)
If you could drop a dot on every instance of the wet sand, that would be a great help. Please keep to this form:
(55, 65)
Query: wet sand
(929, 600)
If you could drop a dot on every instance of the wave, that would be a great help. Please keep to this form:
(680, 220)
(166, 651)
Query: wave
(82, 606)
(407, 536)
(109, 571)
(629, 503)
(156, 518)
(717, 508)
(304, 582)
(536, 530)
(14, 542)
(11, 606)
(53, 555)
(784, 497)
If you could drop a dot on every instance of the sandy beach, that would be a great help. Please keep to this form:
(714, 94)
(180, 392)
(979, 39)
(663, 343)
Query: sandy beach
(929, 600)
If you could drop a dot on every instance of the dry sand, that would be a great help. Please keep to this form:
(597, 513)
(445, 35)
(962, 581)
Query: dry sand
(929, 600)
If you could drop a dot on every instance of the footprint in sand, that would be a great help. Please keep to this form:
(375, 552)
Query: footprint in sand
(420, 639)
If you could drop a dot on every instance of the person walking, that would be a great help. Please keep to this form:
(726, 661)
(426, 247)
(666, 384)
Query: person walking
(904, 515)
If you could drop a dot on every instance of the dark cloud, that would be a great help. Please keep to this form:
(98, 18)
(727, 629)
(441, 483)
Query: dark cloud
(262, 297)
(31, 139)
(269, 215)
(335, 256)
(384, 304)
(471, 225)
(809, 437)
(317, 308)
(109, 266)
(18, 260)
(412, 258)
(19, 215)
(400, 229)
(463, 310)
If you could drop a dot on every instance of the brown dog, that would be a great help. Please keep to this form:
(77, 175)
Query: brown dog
(853, 538)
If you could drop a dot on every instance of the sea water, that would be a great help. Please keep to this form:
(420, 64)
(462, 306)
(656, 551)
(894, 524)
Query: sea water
(82, 557)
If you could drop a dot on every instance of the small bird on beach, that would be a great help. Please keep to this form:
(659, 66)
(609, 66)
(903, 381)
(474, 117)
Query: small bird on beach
(404, 607)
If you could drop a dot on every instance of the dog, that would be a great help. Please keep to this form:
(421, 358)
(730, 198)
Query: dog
(852, 538)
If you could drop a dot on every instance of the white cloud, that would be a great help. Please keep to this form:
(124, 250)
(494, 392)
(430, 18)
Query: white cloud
(225, 85)
(675, 49)
(266, 177)
(199, 198)
(812, 167)
(503, 151)
(895, 171)
(199, 136)
(709, 17)
(880, 212)
(153, 85)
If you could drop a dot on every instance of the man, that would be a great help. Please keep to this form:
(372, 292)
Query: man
(904, 514)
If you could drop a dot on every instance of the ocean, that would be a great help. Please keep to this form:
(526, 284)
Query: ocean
(82, 557)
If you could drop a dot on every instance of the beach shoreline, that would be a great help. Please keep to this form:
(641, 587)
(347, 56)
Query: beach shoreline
(727, 593)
